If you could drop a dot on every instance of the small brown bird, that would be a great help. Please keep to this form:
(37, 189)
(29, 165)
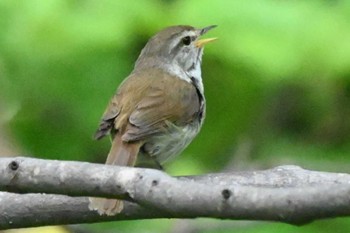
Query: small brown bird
(159, 108)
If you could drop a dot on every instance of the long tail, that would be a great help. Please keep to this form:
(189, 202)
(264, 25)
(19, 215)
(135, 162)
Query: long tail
(121, 154)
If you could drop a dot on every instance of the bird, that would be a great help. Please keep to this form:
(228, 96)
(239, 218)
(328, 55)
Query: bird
(159, 108)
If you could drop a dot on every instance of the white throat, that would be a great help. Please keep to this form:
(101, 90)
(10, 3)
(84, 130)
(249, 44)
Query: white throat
(195, 73)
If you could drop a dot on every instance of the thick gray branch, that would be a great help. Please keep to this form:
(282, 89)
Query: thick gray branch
(287, 194)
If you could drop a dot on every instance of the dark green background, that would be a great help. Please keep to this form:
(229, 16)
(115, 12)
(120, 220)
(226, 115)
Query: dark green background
(277, 84)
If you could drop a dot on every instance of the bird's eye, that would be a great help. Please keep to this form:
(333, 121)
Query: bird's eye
(186, 40)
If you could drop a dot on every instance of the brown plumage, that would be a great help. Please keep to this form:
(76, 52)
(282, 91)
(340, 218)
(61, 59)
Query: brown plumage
(154, 114)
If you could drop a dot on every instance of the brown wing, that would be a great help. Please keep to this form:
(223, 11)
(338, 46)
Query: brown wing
(107, 121)
(145, 101)
(167, 99)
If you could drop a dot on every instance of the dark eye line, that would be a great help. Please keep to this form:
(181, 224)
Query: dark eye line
(181, 43)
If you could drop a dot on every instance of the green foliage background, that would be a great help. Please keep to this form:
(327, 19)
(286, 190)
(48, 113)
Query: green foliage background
(277, 84)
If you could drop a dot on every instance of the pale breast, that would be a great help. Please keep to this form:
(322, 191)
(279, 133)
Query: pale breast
(166, 146)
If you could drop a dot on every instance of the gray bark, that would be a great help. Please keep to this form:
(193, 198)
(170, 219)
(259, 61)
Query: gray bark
(288, 194)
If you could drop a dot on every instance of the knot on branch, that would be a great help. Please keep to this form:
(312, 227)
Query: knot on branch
(14, 165)
(226, 194)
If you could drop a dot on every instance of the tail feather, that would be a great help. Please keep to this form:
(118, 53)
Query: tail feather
(105, 206)
(121, 154)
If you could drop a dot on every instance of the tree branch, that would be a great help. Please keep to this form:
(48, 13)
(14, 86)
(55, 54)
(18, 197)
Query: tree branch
(287, 194)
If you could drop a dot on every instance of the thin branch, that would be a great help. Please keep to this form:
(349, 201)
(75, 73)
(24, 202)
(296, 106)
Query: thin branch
(287, 194)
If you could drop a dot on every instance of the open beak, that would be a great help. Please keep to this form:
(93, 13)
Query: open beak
(200, 43)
